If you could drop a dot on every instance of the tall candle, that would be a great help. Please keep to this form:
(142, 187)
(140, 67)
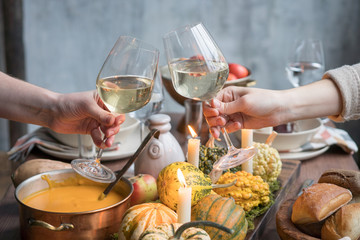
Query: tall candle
(184, 200)
(193, 148)
(247, 141)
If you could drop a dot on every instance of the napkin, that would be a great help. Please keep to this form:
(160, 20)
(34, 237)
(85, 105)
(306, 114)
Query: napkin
(328, 136)
(41, 136)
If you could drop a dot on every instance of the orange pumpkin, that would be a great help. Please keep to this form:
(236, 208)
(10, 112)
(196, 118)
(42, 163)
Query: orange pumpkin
(223, 211)
(142, 216)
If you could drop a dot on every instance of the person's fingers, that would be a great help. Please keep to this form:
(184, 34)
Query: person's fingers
(215, 132)
(109, 141)
(97, 138)
(110, 131)
(233, 126)
(216, 121)
(209, 111)
(227, 108)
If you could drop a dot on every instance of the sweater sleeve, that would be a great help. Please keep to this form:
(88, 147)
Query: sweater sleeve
(347, 79)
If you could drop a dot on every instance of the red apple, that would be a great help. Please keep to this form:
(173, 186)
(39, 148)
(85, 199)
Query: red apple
(239, 70)
(145, 189)
(231, 76)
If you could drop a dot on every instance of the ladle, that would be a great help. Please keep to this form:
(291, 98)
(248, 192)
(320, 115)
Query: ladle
(120, 173)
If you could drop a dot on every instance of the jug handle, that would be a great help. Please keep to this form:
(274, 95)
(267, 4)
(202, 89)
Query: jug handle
(62, 227)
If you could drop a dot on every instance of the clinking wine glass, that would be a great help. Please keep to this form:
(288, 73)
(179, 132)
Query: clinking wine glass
(198, 71)
(124, 84)
(154, 106)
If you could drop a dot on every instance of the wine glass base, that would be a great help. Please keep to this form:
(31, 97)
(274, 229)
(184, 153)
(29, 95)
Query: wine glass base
(235, 157)
(93, 170)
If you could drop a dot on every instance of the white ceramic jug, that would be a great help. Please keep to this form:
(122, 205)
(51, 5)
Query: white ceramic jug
(160, 152)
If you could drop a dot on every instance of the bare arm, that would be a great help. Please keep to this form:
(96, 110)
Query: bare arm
(82, 112)
(24, 102)
(255, 108)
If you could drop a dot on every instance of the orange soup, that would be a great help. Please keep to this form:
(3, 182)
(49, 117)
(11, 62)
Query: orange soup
(76, 198)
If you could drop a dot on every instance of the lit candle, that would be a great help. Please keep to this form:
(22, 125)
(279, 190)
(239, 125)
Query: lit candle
(193, 148)
(184, 200)
(247, 141)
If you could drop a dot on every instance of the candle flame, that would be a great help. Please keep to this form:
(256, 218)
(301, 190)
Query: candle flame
(192, 132)
(181, 177)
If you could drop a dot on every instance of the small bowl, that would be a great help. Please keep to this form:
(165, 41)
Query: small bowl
(242, 82)
(165, 75)
(128, 127)
(305, 131)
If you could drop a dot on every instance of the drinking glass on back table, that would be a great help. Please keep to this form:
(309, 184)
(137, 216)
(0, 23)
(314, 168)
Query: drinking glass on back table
(306, 62)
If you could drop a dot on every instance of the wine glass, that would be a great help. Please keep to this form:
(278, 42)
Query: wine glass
(124, 84)
(305, 65)
(306, 62)
(198, 71)
(154, 106)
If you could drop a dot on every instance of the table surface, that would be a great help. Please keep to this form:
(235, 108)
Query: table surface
(309, 169)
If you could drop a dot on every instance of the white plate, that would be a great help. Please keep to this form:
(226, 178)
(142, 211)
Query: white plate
(125, 149)
(303, 155)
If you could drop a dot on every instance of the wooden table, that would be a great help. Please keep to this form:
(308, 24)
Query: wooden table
(309, 169)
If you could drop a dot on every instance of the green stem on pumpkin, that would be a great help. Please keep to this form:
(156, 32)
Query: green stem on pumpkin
(225, 185)
(187, 225)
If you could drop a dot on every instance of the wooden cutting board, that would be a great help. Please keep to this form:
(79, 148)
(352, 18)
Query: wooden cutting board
(289, 173)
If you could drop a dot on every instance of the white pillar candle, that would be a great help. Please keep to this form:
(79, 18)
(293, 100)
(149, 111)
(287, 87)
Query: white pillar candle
(184, 200)
(193, 149)
(247, 141)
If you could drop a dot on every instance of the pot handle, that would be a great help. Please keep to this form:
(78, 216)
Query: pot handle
(62, 227)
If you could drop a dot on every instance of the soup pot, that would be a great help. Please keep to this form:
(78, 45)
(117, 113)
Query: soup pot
(95, 224)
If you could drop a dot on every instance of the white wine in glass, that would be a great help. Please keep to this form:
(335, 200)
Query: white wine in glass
(198, 79)
(198, 71)
(124, 84)
(153, 106)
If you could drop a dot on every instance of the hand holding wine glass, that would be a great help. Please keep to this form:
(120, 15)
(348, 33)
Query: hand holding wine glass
(198, 71)
(124, 84)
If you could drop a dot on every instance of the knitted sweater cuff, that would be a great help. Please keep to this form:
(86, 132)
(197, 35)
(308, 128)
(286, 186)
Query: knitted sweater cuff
(347, 79)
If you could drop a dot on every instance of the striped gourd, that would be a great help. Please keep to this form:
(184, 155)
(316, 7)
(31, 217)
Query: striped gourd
(142, 216)
(177, 231)
(168, 183)
(223, 211)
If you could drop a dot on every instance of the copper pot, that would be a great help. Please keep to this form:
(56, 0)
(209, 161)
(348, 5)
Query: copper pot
(96, 224)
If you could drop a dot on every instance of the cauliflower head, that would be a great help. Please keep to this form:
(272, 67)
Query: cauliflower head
(266, 163)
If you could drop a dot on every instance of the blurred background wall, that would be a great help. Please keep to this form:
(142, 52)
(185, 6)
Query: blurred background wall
(67, 41)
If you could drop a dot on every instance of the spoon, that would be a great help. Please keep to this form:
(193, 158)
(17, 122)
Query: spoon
(119, 174)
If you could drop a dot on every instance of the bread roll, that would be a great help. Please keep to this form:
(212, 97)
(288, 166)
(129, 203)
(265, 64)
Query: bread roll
(318, 202)
(344, 222)
(349, 179)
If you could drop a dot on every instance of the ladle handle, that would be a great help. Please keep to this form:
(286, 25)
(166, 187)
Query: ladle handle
(119, 174)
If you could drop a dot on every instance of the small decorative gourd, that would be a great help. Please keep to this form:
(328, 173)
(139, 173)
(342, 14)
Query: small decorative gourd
(160, 152)
(142, 216)
(177, 231)
(168, 183)
(224, 211)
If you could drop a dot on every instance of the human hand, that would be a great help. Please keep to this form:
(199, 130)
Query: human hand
(85, 113)
(239, 107)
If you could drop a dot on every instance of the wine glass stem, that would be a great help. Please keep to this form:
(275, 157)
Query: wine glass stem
(100, 152)
(227, 139)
